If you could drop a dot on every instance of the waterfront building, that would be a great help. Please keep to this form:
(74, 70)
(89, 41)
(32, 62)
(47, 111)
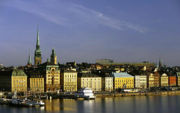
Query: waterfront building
(172, 80)
(178, 78)
(69, 81)
(5, 80)
(37, 53)
(123, 80)
(18, 81)
(141, 81)
(156, 79)
(52, 78)
(150, 80)
(164, 80)
(107, 83)
(52, 74)
(36, 81)
(89, 80)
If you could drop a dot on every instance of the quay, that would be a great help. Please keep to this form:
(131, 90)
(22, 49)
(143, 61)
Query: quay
(107, 94)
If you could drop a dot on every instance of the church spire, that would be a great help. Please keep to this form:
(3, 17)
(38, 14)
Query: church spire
(29, 60)
(37, 54)
(29, 63)
(37, 42)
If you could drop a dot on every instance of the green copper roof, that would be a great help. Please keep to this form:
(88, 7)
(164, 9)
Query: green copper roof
(18, 72)
(29, 59)
(38, 50)
(53, 53)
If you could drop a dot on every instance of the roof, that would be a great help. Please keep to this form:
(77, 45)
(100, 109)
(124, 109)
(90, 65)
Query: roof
(6, 73)
(178, 73)
(18, 72)
(69, 71)
(87, 75)
(122, 74)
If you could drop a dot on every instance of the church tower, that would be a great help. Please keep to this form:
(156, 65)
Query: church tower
(53, 57)
(29, 63)
(37, 53)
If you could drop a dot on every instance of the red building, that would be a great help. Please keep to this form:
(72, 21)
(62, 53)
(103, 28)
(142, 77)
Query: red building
(172, 80)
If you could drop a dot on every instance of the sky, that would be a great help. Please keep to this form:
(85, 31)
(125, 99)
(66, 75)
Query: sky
(86, 30)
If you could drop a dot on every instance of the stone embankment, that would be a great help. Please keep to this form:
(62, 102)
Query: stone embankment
(139, 94)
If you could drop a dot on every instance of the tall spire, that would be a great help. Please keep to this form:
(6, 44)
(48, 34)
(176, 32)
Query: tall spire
(29, 60)
(37, 54)
(37, 42)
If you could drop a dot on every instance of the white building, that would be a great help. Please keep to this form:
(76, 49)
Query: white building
(141, 81)
(107, 83)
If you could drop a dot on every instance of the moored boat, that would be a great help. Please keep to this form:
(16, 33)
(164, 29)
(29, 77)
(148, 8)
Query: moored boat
(85, 93)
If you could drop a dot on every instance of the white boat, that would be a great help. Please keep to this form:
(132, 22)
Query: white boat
(85, 93)
(40, 103)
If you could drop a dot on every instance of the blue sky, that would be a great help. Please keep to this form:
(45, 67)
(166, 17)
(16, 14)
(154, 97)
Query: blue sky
(86, 30)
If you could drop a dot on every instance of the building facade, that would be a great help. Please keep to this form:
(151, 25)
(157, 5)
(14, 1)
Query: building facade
(107, 83)
(52, 78)
(150, 80)
(164, 80)
(5, 80)
(18, 81)
(178, 78)
(123, 81)
(172, 80)
(36, 82)
(69, 81)
(88, 80)
(156, 79)
(141, 81)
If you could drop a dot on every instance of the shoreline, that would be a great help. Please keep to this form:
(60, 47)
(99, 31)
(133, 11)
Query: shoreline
(104, 95)
(160, 93)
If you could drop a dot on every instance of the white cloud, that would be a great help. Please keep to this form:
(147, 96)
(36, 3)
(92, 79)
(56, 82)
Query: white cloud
(68, 13)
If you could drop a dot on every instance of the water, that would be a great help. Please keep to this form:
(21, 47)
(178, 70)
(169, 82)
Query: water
(141, 104)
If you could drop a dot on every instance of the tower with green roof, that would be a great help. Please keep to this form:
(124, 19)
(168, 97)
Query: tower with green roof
(53, 57)
(37, 53)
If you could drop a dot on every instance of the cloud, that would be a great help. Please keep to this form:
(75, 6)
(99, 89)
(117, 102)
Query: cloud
(66, 13)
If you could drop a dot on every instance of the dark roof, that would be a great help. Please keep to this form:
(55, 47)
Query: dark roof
(69, 71)
(6, 73)
(87, 75)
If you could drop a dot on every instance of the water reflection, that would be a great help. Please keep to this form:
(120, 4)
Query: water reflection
(141, 104)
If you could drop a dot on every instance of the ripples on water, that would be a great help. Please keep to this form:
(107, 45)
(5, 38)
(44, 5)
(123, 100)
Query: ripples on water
(141, 104)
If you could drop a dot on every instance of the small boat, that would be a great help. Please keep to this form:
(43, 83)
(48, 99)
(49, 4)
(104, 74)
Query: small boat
(16, 101)
(40, 103)
(85, 93)
(27, 102)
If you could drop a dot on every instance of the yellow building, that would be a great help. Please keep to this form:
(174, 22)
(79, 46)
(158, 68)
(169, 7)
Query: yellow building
(69, 81)
(178, 78)
(123, 81)
(164, 80)
(52, 78)
(36, 82)
(151, 80)
(107, 82)
(141, 81)
(88, 80)
(18, 81)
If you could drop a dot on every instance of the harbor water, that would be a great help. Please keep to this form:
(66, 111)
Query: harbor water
(136, 104)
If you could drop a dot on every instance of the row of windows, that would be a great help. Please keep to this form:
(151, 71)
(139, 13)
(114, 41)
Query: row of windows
(53, 75)
(55, 82)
